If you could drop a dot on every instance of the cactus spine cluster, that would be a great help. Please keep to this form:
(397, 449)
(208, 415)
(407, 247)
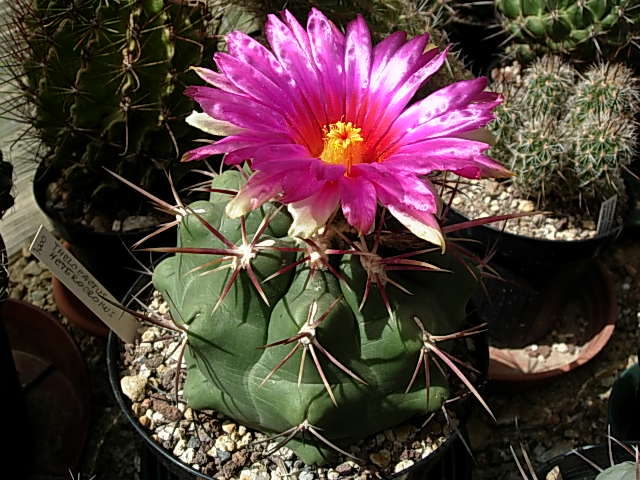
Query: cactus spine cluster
(579, 29)
(567, 136)
(100, 82)
(317, 342)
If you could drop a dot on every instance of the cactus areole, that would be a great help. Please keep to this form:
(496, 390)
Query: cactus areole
(307, 324)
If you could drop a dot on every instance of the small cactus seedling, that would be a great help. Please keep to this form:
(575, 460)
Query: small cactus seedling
(312, 322)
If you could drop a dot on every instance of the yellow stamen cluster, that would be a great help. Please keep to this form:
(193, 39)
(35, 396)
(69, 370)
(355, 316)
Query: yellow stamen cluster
(342, 145)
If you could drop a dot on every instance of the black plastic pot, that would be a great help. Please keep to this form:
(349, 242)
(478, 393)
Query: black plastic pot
(624, 405)
(534, 259)
(451, 461)
(106, 255)
(572, 467)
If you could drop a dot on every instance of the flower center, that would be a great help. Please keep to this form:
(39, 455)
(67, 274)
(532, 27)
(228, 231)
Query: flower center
(342, 145)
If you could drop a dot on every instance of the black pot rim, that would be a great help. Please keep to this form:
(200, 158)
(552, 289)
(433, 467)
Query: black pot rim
(550, 464)
(113, 370)
(42, 176)
(114, 379)
(541, 241)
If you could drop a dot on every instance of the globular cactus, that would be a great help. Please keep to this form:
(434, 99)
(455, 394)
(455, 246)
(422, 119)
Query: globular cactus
(101, 82)
(620, 471)
(567, 136)
(301, 339)
(581, 30)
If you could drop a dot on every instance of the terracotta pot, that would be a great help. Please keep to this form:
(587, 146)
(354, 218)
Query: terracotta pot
(55, 387)
(592, 291)
(77, 312)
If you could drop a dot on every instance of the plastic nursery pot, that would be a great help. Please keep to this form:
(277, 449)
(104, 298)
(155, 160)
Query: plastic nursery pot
(535, 259)
(55, 388)
(582, 303)
(624, 405)
(77, 312)
(451, 461)
(573, 467)
(105, 254)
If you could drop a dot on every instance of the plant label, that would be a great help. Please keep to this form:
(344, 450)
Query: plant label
(607, 214)
(82, 284)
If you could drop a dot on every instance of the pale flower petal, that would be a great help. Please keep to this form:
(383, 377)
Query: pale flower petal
(210, 125)
(422, 225)
(311, 214)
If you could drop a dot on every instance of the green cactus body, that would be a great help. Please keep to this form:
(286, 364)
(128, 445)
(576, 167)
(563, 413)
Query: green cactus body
(621, 471)
(230, 369)
(106, 79)
(567, 136)
(580, 29)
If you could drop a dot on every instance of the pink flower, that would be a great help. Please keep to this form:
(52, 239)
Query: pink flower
(323, 118)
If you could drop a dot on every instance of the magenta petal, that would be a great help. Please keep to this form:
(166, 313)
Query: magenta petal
(327, 47)
(260, 188)
(461, 156)
(249, 80)
(236, 109)
(357, 67)
(217, 80)
(390, 72)
(382, 54)
(358, 202)
(451, 97)
(252, 52)
(281, 157)
(395, 187)
(299, 65)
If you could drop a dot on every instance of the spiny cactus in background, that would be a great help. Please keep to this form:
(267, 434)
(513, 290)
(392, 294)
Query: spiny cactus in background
(583, 30)
(101, 85)
(567, 136)
(384, 17)
(301, 339)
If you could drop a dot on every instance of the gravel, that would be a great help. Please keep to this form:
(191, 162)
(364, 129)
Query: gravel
(489, 197)
(549, 418)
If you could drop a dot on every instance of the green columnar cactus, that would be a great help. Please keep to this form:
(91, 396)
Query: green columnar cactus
(567, 136)
(581, 29)
(101, 84)
(305, 360)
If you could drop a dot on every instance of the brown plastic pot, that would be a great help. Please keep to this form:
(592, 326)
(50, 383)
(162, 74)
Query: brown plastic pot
(593, 291)
(77, 312)
(55, 389)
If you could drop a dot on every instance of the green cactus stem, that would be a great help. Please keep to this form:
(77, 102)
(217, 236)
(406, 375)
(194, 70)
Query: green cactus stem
(580, 30)
(319, 342)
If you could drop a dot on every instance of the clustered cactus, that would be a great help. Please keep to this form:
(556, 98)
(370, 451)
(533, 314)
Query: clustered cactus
(101, 85)
(566, 136)
(579, 29)
(319, 341)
